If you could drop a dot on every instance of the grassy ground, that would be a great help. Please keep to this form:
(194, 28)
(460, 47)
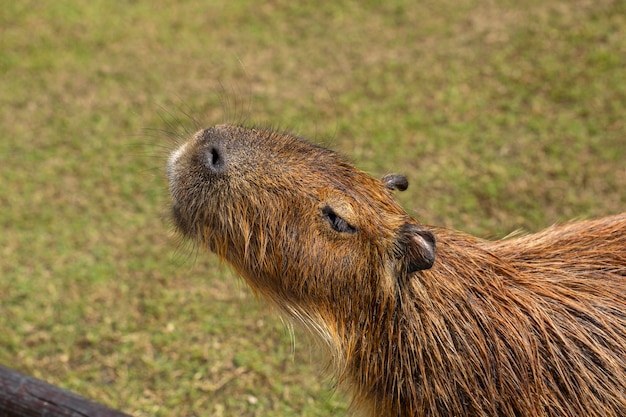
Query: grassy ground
(504, 116)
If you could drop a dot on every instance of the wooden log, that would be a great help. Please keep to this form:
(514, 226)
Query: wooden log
(24, 396)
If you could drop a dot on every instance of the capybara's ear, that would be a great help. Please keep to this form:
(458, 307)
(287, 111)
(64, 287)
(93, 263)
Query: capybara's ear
(395, 182)
(417, 247)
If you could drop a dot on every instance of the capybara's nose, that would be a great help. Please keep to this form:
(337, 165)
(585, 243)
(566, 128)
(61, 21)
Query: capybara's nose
(215, 158)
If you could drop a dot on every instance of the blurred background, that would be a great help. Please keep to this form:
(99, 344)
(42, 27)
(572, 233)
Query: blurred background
(504, 115)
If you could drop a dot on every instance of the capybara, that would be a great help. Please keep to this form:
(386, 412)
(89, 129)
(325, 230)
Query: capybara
(418, 320)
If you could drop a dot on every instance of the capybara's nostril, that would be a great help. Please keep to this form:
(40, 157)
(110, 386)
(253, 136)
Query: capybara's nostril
(214, 159)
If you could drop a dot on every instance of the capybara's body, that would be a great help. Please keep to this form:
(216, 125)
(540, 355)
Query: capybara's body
(419, 321)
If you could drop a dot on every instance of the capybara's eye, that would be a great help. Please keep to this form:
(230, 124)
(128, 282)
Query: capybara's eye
(336, 221)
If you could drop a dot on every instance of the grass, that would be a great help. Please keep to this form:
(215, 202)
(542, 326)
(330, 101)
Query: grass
(504, 116)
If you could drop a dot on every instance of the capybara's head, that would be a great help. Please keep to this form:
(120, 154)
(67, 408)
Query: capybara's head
(303, 226)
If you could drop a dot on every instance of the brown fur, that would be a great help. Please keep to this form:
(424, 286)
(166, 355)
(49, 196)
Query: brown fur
(528, 326)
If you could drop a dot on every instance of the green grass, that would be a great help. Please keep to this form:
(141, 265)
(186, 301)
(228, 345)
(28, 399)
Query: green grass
(504, 116)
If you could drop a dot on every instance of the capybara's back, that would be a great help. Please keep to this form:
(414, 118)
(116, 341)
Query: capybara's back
(418, 320)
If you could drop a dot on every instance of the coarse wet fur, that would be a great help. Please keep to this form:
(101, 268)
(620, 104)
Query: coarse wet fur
(419, 320)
